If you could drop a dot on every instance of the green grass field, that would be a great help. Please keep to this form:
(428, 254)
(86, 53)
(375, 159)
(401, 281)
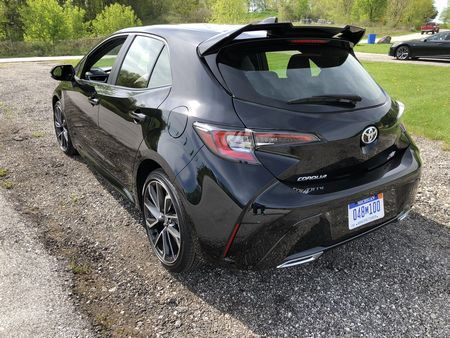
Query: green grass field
(425, 92)
(375, 48)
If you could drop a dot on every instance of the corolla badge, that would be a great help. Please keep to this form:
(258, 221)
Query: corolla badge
(369, 135)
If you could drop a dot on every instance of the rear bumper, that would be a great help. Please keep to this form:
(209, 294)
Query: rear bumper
(286, 223)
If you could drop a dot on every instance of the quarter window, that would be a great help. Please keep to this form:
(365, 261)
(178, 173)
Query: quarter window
(161, 75)
(138, 63)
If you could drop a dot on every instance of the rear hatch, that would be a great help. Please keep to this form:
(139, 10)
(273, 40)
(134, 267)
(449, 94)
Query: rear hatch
(311, 87)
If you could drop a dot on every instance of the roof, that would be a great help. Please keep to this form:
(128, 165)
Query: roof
(196, 32)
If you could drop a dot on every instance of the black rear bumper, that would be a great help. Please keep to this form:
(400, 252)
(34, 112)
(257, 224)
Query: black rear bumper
(285, 222)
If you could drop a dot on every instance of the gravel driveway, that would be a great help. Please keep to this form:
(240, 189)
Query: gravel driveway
(393, 282)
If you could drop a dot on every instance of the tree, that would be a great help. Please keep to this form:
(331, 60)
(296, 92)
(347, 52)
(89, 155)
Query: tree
(3, 21)
(302, 9)
(113, 18)
(371, 10)
(445, 15)
(189, 11)
(228, 11)
(44, 21)
(74, 19)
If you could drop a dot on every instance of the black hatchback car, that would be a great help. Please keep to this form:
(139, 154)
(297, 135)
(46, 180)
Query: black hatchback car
(251, 146)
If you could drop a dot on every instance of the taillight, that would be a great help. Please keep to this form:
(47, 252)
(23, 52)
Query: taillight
(239, 145)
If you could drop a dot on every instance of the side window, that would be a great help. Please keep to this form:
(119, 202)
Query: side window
(138, 63)
(161, 75)
(97, 66)
(447, 38)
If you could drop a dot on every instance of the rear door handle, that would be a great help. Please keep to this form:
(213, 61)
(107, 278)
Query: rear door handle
(138, 117)
(94, 100)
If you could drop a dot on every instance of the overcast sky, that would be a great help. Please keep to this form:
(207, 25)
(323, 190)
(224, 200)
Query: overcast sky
(440, 4)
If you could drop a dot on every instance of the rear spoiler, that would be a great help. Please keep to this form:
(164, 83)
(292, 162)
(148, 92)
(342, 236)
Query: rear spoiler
(274, 29)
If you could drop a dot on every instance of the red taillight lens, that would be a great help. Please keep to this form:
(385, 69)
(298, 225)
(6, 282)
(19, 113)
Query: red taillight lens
(232, 144)
(239, 145)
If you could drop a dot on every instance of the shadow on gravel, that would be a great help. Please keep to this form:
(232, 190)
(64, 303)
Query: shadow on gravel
(394, 281)
(367, 286)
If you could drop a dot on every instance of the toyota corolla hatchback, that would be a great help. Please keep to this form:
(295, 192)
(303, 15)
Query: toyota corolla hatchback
(250, 146)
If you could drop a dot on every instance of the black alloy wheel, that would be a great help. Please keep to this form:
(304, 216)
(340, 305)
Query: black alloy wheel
(168, 228)
(62, 130)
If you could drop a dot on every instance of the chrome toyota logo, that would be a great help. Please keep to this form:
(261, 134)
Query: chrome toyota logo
(369, 135)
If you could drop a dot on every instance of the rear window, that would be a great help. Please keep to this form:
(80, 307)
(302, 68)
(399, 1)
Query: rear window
(275, 75)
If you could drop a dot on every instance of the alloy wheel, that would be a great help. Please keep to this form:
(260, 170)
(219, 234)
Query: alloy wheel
(161, 221)
(402, 53)
(62, 133)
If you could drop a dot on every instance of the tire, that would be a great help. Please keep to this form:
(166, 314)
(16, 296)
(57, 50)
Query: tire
(402, 52)
(62, 130)
(169, 229)
(421, 33)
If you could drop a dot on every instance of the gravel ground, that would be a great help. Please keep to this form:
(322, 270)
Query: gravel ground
(392, 282)
(34, 297)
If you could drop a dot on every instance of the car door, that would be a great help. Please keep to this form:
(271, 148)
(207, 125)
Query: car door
(81, 102)
(435, 45)
(446, 43)
(130, 106)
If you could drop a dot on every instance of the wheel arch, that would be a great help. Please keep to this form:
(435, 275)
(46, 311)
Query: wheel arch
(144, 166)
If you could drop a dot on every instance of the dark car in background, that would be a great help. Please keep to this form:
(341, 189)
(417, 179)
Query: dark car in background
(436, 46)
(251, 146)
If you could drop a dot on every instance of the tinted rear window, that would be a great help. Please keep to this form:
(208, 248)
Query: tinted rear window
(275, 75)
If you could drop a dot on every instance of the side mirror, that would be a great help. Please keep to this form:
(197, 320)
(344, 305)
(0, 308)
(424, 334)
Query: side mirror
(63, 73)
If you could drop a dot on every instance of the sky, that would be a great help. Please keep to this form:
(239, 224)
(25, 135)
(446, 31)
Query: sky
(440, 5)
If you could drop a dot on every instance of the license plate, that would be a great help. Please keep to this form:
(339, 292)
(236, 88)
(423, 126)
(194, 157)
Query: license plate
(365, 211)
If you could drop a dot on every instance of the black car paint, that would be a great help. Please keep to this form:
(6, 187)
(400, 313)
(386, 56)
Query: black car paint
(273, 213)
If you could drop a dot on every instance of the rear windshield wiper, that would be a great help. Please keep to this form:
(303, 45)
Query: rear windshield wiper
(329, 99)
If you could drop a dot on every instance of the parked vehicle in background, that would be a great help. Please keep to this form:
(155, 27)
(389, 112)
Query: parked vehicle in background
(436, 46)
(429, 27)
(252, 146)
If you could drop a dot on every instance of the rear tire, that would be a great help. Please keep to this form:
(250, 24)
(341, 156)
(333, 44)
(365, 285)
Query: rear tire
(62, 130)
(169, 229)
(402, 53)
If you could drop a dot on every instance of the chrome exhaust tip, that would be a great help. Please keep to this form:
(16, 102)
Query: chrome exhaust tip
(403, 215)
(299, 261)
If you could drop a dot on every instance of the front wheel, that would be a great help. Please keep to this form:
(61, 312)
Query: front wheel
(169, 230)
(62, 130)
(402, 53)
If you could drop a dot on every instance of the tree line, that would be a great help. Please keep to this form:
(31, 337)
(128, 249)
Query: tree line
(53, 20)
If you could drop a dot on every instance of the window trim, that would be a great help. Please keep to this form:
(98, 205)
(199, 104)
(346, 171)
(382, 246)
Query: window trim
(132, 38)
(97, 48)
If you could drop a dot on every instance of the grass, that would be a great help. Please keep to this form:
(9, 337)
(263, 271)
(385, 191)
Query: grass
(8, 185)
(79, 268)
(375, 48)
(3, 172)
(37, 134)
(424, 91)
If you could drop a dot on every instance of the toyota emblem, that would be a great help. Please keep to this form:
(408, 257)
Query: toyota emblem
(369, 135)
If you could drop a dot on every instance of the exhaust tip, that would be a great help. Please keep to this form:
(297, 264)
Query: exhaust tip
(300, 260)
(403, 215)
